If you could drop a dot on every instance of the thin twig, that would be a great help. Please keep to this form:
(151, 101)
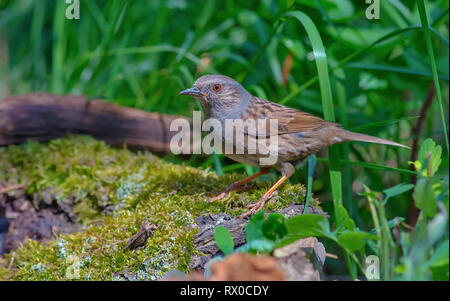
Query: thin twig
(329, 255)
(10, 188)
(12, 260)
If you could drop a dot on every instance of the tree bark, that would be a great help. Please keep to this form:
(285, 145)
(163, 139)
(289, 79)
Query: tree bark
(42, 117)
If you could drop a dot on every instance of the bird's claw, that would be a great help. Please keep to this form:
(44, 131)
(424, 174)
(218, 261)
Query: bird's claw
(257, 206)
(231, 188)
(251, 205)
(218, 197)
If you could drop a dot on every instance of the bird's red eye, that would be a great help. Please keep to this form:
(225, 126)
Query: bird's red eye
(217, 87)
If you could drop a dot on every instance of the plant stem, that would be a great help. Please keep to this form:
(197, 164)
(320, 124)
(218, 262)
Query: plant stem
(376, 222)
(385, 242)
(413, 215)
(426, 33)
(347, 171)
(311, 167)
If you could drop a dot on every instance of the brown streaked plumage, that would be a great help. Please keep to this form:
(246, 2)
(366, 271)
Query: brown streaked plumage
(299, 134)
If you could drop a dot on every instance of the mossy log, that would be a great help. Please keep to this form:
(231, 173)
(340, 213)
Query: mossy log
(204, 239)
(43, 117)
(111, 192)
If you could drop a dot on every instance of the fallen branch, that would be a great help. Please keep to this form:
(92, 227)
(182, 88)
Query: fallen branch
(42, 117)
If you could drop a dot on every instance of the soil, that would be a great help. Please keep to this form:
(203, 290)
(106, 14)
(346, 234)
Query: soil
(38, 216)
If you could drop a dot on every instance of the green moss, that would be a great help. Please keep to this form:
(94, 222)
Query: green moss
(138, 187)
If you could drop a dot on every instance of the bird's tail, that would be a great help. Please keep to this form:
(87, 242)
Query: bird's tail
(342, 135)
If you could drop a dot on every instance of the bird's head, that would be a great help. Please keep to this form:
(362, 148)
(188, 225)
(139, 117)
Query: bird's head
(217, 90)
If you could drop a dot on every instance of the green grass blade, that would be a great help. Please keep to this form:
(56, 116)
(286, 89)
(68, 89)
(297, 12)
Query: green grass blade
(249, 169)
(59, 49)
(371, 165)
(439, 35)
(37, 27)
(381, 123)
(427, 36)
(348, 58)
(97, 16)
(207, 163)
(393, 14)
(233, 167)
(347, 171)
(255, 59)
(443, 16)
(217, 164)
(260, 52)
(363, 65)
(151, 49)
(325, 91)
(311, 167)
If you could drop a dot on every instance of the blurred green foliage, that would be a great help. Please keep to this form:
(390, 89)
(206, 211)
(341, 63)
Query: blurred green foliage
(421, 252)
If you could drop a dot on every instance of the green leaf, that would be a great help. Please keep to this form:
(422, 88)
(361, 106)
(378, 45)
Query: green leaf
(444, 194)
(354, 240)
(430, 157)
(224, 240)
(437, 227)
(217, 164)
(440, 255)
(440, 273)
(397, 189)
(253, 230)
(261, 246)
(424, 197)
(343, 219)
(274, 227)
(306, 225)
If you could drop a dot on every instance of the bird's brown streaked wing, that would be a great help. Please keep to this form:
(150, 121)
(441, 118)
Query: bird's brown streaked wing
(289, 120)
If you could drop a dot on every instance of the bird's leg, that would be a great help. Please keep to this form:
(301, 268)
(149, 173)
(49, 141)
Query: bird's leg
(260, 204)
(287, 169)
(237, 185)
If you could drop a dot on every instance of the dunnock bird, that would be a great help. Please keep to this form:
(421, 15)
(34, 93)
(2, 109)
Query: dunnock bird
(299, 134)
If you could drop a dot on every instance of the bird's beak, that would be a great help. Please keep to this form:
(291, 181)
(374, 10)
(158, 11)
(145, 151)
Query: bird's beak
(194, 91)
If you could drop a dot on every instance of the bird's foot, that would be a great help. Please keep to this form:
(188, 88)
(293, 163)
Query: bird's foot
(229, 189)
(258, 205)
(218, 197)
